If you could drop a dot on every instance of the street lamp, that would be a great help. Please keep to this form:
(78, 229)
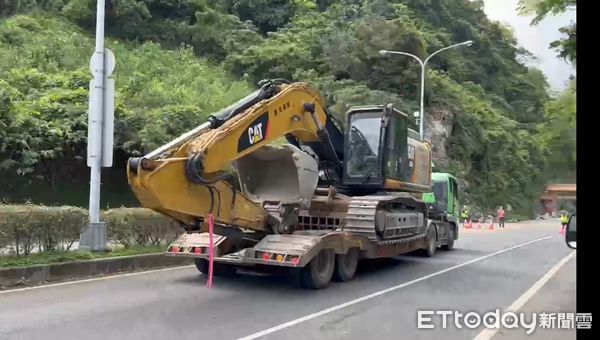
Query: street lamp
(423, 64)
(100, 130)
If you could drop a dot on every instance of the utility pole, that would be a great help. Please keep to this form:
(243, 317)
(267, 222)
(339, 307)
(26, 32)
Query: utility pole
(423, 64)
(100, 132)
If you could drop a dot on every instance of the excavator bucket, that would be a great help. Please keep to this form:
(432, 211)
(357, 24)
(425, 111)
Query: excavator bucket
(282, 174)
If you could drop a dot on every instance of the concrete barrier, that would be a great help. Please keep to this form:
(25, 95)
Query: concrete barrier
(34, 275)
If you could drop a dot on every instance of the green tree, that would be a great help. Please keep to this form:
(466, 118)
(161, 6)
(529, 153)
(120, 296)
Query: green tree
(559, 133)
(565, 47)
(267, 15)
(180, 60)
(44, 93)
(172, 23)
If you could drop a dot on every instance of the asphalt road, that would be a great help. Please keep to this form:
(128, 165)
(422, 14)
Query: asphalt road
(487, 270)
(556, 296)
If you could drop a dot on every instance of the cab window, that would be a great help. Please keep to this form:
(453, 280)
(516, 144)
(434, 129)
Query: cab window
(396, 148)
(364, 140)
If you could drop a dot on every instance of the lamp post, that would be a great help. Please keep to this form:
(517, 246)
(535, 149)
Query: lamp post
(423, 64)
(100, 131)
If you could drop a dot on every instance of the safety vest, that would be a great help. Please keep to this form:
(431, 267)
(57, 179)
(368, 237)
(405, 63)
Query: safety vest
(564, 219)
(464, 214)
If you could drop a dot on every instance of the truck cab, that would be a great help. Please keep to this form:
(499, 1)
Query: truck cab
(443, 205)
(444, 198)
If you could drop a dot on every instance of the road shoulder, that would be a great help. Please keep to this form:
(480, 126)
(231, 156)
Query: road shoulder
(556, 296)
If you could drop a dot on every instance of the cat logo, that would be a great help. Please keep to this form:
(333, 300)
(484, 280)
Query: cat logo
(255, 134)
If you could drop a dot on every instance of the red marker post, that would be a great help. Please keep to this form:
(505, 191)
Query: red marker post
(211, 249)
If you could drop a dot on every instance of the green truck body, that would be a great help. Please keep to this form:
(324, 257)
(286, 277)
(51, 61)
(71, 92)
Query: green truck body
(443, 205)
(444, 198)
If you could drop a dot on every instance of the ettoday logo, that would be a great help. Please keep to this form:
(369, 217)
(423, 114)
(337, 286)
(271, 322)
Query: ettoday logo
(509, 320)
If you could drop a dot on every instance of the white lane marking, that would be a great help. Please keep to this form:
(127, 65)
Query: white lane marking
(488, 333)
(93, 279)
(381, 292)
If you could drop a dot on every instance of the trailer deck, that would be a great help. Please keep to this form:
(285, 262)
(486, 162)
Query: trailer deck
(293, 250)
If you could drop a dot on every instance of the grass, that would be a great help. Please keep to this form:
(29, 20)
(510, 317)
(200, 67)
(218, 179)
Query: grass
(74, 255)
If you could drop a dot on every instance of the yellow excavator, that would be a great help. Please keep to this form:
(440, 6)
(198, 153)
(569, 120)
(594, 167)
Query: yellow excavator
(289, 187)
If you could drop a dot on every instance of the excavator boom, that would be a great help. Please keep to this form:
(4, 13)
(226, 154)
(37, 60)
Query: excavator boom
(283, 177)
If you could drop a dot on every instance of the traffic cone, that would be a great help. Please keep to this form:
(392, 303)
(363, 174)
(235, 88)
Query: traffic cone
(478, 225)
(491, 226)
(470, 225)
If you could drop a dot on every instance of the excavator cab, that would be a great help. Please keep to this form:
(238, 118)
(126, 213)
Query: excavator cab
(376, 147)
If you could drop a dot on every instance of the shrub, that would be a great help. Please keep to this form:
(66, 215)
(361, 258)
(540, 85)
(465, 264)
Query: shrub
(49, 228)
(26, 227)
(140, 226)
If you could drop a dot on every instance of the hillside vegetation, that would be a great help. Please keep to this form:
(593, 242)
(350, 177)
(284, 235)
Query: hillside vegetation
(180, 60)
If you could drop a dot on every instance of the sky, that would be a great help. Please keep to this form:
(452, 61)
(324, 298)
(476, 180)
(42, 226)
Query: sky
(536, 39)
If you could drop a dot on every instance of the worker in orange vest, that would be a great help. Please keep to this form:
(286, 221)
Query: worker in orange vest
(501, 216)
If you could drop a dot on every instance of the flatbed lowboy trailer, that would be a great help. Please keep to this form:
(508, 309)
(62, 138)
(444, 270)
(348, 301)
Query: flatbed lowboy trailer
(347, 237)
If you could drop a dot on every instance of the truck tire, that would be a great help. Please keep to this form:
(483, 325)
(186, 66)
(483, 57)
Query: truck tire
(431, 245)
(318, 272)
(219, 269)
(345, 265)
(450, 245)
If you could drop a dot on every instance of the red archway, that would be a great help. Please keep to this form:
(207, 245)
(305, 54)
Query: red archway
(553, 193)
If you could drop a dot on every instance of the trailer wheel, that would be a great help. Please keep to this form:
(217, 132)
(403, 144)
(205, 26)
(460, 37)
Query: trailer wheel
(431, 246)
(219, 269)
(345, 265)
(450, 244)
(318, 272)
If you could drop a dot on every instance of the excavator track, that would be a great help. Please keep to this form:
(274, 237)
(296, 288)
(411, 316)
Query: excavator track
(361, 218)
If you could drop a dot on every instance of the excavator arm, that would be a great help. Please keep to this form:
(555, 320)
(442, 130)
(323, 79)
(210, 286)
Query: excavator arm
(187, 178)
(296, 110)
